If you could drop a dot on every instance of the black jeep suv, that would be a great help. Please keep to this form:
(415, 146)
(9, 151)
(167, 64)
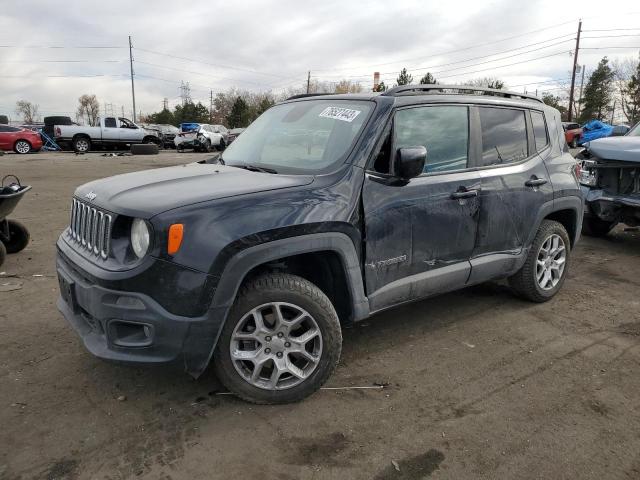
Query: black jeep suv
(326, 210)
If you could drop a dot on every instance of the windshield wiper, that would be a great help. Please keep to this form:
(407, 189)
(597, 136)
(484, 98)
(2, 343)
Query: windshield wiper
(255, 168)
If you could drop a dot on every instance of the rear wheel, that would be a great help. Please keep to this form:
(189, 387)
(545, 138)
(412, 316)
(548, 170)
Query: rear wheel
(22, 147)
(18, 237)
(281, 341)
(3, 253)
(546, 267)
(574, 142)
(594, 227)
(222, 145)
(81, 144)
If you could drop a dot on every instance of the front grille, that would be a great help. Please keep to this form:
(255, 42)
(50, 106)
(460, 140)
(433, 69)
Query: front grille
(90, 228)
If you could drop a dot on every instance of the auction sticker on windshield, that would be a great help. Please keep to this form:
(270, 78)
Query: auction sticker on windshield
(339, 113)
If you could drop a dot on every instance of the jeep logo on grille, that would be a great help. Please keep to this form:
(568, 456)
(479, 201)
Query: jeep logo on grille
(90, 196)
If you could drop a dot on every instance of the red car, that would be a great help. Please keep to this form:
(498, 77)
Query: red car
(572, 133)
(20, 140)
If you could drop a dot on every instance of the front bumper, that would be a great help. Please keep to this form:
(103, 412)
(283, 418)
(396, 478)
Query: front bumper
(131, 327)
(610, 207)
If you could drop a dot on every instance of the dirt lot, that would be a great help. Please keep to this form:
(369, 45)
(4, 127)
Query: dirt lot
(480, 384)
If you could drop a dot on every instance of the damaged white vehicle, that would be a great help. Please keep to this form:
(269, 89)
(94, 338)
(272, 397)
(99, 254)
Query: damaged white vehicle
(610, 180)
(201, 137)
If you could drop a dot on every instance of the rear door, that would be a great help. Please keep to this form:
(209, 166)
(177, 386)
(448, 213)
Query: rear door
(515, 184)
(110, 130)
(420, 233)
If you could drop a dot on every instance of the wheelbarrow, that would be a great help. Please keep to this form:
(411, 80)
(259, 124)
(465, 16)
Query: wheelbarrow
(14, 236)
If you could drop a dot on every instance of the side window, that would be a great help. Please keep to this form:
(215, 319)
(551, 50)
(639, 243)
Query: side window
(504, 136)
(110, 122)
(539, 130)
(442, 130)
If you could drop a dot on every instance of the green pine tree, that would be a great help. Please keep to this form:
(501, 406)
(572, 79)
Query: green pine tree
(381, 87)
(404, 78)
(428, 79)
(631, 97)
(598, 93)
(239, 116)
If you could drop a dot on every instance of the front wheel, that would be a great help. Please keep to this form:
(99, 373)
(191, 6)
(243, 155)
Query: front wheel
(574, 142)
(22, 147)
(18, 237)
(3, 253)
(222, 145)
(547, 264)
(81, 144)
(281, 341)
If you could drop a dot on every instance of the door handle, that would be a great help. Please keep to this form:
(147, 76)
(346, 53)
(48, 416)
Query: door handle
(464, 194)
(535, 182)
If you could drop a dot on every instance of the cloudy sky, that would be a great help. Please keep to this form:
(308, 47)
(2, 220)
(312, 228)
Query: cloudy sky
(272, 44)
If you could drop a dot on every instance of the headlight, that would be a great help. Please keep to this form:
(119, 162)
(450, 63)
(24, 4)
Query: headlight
(139, 237)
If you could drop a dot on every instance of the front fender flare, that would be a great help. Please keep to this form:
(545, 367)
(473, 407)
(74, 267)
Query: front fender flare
(203, 336)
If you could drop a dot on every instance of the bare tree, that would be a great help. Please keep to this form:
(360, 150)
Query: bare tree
(347, 86)
(626, 89)
(88, 109)
(28, 110)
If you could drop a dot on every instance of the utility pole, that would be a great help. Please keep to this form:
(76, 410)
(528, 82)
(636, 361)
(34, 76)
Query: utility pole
(583, 67)
(122, 110)
(133, 90)
(210, 106)
(613, 111)
(165, 104)
(573, 73)
(308, 80)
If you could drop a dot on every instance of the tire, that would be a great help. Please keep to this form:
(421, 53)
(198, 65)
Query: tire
(594, 227)
(3, 253)
(18, 237)
(574, 142)
(22, 147)
(81, 144)
(222, 145)
(144, 149)
(294, 297)
(152, 140)
(206, 146)
(527, 281)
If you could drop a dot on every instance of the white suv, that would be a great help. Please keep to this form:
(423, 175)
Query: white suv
(201, 137)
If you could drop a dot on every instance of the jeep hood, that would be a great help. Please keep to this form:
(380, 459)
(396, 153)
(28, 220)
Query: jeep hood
(626, 149)
(150, 192)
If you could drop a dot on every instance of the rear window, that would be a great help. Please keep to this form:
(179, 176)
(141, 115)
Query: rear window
(504, 136)
(4, 128)
(539, 130)
(110, 123)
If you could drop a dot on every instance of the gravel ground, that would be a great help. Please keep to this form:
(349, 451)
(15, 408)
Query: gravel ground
(477, 384)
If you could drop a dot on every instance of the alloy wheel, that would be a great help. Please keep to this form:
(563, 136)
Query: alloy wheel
(551, 261)
(276, 346)
(22, 147)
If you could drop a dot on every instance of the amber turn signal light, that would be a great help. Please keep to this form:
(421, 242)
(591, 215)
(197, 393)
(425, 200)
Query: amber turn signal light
(175, 238)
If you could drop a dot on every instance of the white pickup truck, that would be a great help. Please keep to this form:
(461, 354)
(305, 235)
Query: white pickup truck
(115, 131)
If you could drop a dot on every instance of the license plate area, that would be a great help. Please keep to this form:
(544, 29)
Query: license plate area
(68, 292)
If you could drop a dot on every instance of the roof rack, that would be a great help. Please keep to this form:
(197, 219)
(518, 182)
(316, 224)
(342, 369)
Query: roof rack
(304, 95)
(435, 89)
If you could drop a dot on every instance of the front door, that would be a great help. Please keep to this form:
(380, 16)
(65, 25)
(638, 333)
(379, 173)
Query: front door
(515, 184)
(420, 234)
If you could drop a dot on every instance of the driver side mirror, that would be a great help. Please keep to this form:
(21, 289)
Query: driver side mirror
(409, 162)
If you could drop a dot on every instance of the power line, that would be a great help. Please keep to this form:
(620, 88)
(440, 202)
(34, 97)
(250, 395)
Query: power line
(155, 65)
(106, 47)
(615, 36)
(62, 76)
(453, 51)
(612, 30)
(605, 48)
(60, 61)
(210, 64)
(413, 69)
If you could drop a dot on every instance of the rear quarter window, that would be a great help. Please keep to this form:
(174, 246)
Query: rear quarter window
(539, 130)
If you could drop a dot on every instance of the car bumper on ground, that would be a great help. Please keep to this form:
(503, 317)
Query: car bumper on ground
(131, 327)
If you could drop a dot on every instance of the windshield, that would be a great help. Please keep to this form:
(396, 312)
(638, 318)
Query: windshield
(300, 137)
(635, 131)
